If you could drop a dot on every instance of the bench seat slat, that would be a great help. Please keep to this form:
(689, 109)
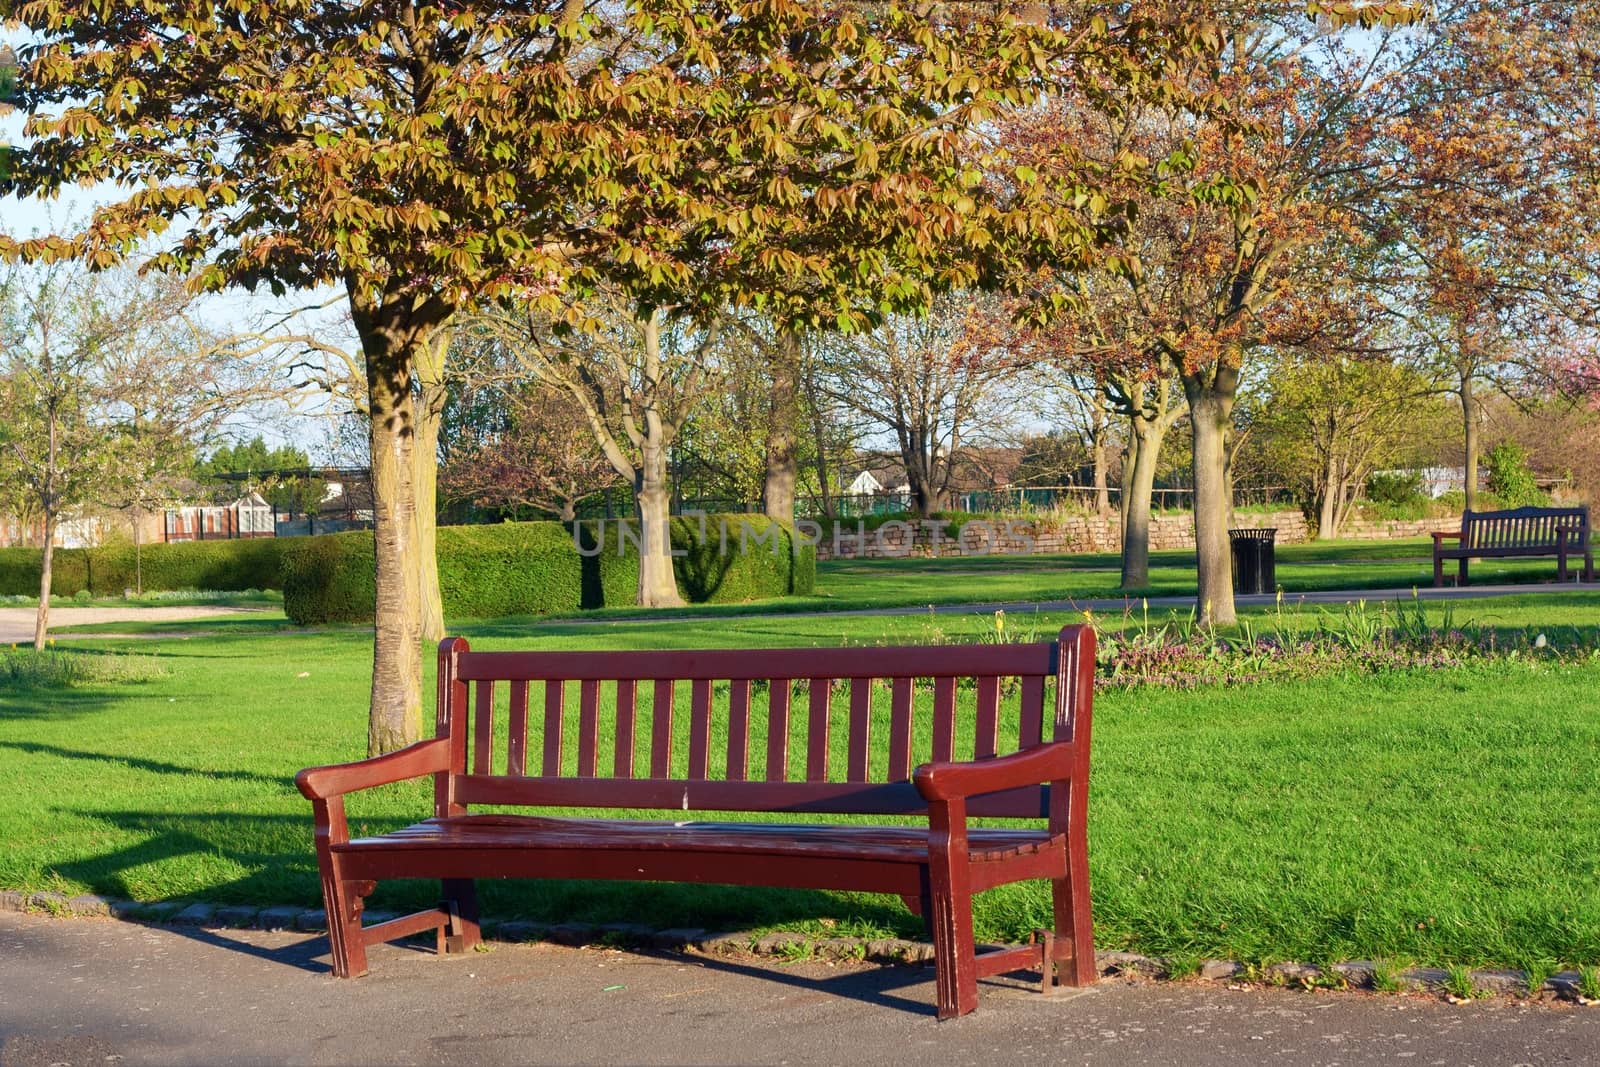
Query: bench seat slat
(906, 843)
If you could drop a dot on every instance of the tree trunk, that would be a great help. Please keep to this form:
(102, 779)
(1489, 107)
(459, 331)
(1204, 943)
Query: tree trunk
(138, 553)
(819, 435)
(777, 496)
(658, 586)
(1328, 510)
(1469, 436)
(430, 414)
(41, 619)
(396, 717)
(1102, 489)
(1144, 455)
(1210, 414)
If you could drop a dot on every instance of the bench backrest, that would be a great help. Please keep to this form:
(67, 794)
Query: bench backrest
(1524, 527)
(762, 726)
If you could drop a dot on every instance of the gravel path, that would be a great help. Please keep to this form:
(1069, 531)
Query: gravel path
(16, 624)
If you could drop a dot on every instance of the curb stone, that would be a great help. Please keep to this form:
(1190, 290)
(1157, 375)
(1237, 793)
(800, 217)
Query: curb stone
(1360, 973)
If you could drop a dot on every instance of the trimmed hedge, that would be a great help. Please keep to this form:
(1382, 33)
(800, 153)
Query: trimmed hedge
(536, 568)
(226, 565)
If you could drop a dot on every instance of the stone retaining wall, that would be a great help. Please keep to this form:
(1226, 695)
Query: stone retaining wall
(1079, 534)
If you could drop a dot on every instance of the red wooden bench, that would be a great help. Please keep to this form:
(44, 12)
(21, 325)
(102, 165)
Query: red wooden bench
(747, 751)
(1558, 532)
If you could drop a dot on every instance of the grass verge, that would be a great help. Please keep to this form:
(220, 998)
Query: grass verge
(1419, 814)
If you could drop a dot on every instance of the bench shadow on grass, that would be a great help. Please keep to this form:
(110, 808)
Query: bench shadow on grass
(277, 851)
(137, 763)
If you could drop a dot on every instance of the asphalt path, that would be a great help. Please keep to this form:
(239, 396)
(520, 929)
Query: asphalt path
(88, 991)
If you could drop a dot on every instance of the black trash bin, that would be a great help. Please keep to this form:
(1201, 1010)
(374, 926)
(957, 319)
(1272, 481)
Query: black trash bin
(1254, 565)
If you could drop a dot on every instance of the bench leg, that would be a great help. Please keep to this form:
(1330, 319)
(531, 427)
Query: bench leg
(1438, 571)
(950, 915)
(1461, 577)
(461, 935)
(342, 901)
(1074, 923)
(921, 906)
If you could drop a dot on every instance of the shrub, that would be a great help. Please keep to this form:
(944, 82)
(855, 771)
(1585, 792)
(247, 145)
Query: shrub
(329, 578)
(1395, 487)
(536, 568)
(228, 566)
(1509, 476)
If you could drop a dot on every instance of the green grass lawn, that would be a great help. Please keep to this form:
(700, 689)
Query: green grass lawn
(1442, 816)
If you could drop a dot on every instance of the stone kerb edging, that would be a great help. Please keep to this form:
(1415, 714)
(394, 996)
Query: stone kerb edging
(1355, 973)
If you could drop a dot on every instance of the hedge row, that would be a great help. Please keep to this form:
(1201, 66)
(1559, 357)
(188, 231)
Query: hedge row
(521, 568)
(227, 566)
(535, 568)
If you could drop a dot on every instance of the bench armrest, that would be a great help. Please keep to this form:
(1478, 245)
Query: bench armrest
(1440, 535)
(1049, 762)
(413, 761)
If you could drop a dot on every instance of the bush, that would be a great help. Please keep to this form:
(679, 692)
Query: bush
(1510, 479)
(1395, 487)
(227, 566)
(536, 568)
(329, 578)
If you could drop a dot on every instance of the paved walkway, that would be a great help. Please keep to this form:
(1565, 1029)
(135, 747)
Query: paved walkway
(83, 991)
(1157, 603)
(16, 624)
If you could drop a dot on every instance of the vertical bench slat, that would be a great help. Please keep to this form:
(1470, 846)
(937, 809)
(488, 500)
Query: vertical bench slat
(627, 711)
(817, 735)
(778, 693)
(987, 740)
(482, 726)
(900, 703)
(860, 729)
(661, 730)
(588, 727)
(700, 729)
(1032, 723)
(944, 718)
(517, 746)
(555, 694)
(738, 729)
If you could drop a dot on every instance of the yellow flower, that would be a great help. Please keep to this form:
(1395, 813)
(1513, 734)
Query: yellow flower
(1000, 622)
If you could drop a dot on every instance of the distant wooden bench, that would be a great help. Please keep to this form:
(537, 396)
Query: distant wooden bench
(1025, 726)
(1558, 532)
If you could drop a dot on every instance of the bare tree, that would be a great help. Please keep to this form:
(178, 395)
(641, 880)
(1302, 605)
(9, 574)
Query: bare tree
(636, 374)
(544, 456)
(107, 382)
(933, 381)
